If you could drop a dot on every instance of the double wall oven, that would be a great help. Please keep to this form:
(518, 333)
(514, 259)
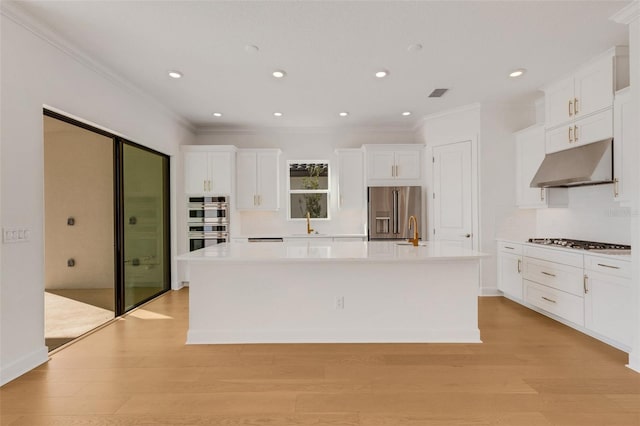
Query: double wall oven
(208, 221)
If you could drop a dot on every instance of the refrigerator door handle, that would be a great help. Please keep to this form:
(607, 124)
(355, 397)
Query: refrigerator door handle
(395, 212)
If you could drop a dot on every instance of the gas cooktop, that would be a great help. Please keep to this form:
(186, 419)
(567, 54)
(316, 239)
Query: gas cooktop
(607, 248)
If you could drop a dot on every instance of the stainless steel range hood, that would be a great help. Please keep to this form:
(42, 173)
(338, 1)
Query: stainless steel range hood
(590, 164)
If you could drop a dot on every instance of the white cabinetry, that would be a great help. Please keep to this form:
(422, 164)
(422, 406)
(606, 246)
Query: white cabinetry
(389, 165)
(625, 135)
(510, 269)
(556, 288)
(608, 299)
(530, 152)
(351, 188)
(578, 108)
(208, 169)
(257, 180)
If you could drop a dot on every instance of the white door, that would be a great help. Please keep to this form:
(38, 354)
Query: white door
(408, 164)
(452, 180)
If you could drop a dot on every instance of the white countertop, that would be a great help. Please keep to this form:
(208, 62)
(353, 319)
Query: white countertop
(332, 251)
(300, 235)
(625, 257)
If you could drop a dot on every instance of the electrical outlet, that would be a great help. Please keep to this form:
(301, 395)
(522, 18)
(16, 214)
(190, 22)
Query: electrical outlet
(339, 302)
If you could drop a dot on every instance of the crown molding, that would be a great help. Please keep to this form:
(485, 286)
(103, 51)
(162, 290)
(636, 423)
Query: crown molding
(627, 14)
(15, 13)
(465, 108)
(255, 130)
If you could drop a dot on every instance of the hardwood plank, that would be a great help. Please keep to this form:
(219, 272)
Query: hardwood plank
(529, 371)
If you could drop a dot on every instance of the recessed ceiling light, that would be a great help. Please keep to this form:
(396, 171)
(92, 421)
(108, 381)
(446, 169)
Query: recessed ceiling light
(217, 114)
(175, 74)
(277, 114)
(517, 73)
(382, 73)
(278, 73)
(406, 113)
(343, 114)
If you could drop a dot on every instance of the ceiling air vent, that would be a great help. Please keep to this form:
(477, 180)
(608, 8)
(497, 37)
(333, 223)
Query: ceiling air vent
(437, 93)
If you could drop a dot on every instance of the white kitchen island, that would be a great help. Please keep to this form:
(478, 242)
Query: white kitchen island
(329, 292)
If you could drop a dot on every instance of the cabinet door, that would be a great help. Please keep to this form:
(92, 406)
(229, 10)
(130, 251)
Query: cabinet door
(408, 164)
(351, 187)
(380, 165)
(510, 275)
(559, 139)
(593, 128)
(267, 180)
(529, 156)
(196, 172)
(558, 102)
(246, 178)
(220, 172)
(625, 128)
(608, 307)
(593, 86)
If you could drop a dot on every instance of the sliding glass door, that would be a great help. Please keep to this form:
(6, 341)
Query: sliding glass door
(144, 219)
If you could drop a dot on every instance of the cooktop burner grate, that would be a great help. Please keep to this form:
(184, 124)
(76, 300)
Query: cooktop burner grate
(579, 244)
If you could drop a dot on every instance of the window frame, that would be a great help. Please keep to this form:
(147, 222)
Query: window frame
(308, 191)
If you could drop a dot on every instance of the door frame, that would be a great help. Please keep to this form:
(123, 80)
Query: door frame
(475, 181)
(118, 209)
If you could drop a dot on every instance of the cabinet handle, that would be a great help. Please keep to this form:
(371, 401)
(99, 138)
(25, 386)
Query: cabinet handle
(210, 185)
(548, 300)
(575, 106)
(615, 187)
(255, 200)
(519, 265)
(541, 194)
(510, 248)
(585, 280)
(570, 108)
(548, 274)
(204, 185)
(397, 170)
(608, 266)
(570, 134)
(575, 133)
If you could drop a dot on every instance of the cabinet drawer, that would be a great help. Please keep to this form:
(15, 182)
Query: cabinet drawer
(557, 302)
(606, 265)
(553, 255)
(562, 277)
(507, 247)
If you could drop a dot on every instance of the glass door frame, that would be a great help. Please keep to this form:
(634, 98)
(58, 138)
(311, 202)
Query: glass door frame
(118, 213)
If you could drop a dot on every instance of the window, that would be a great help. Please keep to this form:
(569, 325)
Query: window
(308, 189)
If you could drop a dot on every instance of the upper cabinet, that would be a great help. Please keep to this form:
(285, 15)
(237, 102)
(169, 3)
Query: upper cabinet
(351, 187)
(389, 165)
(578, 109)
(625, 134)
(529, 156)
(257, 179)
(208, 169)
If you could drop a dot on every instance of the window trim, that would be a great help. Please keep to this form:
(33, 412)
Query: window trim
(308, 191)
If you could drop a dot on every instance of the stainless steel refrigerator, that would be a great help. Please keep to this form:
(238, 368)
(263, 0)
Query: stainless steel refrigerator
(389, 211)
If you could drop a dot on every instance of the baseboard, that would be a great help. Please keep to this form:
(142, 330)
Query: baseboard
(634, 361)
(177, 285)
(23, 365)
(490, 291)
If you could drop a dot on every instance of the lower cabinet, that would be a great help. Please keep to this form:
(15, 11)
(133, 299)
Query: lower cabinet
(557, 302)
(608, 302)
(590, 293)
(510, 270)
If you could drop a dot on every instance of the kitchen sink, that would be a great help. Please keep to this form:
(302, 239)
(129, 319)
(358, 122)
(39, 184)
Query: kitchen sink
(406, 243)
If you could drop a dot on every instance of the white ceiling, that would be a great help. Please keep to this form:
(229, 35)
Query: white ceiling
(330, 51)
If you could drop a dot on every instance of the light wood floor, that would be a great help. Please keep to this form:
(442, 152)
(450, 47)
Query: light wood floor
(529, 371)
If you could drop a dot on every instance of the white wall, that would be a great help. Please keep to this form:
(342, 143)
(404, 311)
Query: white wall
(35, 73)
(591, 215)
(301, 144)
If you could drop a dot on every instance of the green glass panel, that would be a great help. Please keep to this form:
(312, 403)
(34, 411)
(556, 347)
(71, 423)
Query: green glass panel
(145, 199)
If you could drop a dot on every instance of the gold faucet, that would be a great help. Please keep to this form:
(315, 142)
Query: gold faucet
(416, 237)
(309, 228)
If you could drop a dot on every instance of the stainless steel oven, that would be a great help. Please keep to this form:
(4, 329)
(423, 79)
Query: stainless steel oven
(208, 221)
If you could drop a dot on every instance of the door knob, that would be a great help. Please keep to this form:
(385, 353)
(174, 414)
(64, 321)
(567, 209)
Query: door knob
(467, 235)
